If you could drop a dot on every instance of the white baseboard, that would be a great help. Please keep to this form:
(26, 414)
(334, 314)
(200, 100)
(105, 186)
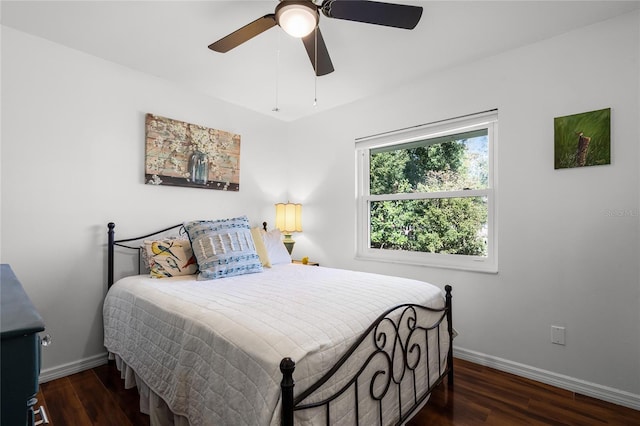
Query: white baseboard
(582, 387)
(60, 371)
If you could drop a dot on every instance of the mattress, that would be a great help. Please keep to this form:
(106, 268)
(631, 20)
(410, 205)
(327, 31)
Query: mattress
(211, 349)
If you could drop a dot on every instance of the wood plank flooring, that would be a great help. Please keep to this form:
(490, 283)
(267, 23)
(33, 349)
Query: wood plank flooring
(480, 396)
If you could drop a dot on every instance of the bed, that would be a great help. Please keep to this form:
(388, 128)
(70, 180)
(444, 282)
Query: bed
(292, 344)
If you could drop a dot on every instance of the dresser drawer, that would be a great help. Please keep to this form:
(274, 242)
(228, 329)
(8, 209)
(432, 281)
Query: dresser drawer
(21, 364)
(20, 351)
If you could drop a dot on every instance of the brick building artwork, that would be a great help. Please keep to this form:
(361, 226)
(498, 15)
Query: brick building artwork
(184, 154)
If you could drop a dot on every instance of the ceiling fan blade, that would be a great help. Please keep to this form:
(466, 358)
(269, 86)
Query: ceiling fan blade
(245, 33)
(373, 12)
(323, 65)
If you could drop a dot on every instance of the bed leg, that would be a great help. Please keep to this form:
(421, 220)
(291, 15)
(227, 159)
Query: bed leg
(448, 306)
(111, 234)
(287, 365)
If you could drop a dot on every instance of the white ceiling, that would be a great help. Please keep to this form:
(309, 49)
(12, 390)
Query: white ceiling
(169, 39)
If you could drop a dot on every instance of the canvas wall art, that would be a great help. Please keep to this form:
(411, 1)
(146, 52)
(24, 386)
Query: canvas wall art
(185, 154)
(583, 139)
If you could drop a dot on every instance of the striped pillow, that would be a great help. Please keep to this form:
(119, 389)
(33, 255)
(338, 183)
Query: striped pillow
(223, 248)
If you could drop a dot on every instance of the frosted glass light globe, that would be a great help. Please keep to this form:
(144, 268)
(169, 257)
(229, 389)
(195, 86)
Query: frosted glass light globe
(297, 18)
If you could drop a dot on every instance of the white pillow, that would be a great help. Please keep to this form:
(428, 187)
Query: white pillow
(275, 247)
(261, 248)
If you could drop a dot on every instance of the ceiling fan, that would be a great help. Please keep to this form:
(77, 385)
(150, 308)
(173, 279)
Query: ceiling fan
(300, 19)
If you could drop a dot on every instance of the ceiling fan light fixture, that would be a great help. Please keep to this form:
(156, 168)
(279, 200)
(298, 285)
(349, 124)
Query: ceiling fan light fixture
(297, 18)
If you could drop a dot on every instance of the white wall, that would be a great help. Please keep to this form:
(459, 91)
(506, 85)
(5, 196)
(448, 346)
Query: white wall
(565, 258)
(73, 160)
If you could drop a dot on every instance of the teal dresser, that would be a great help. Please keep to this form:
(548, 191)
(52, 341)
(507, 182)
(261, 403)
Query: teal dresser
(20, 324)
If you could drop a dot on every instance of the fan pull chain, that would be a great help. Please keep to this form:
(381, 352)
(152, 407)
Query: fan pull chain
(315, 66)
(275, 108)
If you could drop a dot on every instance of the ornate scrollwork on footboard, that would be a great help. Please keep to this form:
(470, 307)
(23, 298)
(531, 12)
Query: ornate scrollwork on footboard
(399, 356)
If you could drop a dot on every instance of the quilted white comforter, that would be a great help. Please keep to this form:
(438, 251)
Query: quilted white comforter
(212, 349)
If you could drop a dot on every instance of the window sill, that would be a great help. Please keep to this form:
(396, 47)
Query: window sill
(431, 261)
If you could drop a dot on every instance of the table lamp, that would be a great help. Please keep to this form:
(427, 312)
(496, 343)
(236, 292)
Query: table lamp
(289, 220)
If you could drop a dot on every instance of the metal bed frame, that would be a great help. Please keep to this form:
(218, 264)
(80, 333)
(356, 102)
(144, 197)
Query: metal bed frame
(399, 325)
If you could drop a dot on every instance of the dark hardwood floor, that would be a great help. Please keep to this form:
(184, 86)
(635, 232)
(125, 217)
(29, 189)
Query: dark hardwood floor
(480, 396)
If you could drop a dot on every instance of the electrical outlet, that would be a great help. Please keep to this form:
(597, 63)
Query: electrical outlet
(557, 335)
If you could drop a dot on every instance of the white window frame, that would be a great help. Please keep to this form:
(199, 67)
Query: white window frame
(486, 120)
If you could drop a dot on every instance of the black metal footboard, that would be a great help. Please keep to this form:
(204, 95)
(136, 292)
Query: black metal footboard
(402, 342)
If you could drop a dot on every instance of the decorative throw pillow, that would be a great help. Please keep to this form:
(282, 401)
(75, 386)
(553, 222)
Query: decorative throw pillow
(223, 248)
(170, 258)
(144, 256)
(276, 249)
(261, 249)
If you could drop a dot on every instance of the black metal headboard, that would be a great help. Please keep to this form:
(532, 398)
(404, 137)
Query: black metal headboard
(120, 243)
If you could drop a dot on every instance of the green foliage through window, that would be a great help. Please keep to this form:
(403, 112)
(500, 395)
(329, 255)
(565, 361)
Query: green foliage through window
(452, 224)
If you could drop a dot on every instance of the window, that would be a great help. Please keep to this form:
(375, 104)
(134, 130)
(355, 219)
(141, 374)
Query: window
(426, 195)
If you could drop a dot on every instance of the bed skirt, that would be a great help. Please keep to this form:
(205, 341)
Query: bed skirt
(154, 406)
(150, 402)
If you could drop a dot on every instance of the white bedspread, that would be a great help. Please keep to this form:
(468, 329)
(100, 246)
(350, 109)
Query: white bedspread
(212, 349)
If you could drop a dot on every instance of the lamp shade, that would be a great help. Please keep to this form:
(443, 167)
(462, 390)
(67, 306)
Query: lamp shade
(289, 217)
(297, 18)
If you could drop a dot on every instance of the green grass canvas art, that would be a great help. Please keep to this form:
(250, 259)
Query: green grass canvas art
(583, 139)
